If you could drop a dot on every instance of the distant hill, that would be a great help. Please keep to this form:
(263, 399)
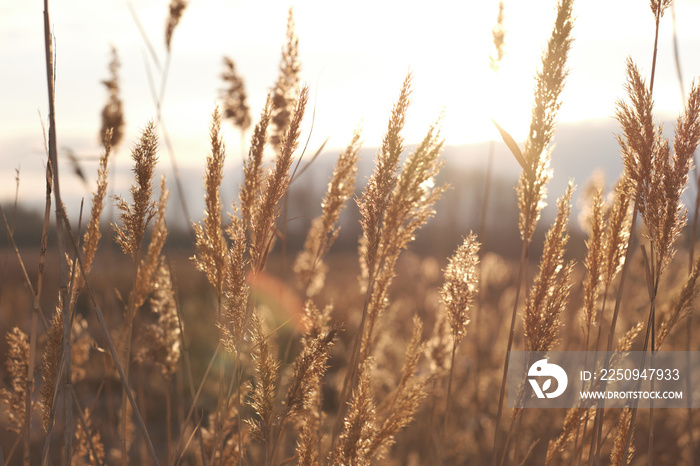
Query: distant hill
(580, 149)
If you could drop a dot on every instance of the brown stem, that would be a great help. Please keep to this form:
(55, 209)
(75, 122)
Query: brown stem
(168, 420)
(447, 401)
(511, 335)
(36, 312)
(60, 224)
(354, 362)
(195, 399)
(597, 439)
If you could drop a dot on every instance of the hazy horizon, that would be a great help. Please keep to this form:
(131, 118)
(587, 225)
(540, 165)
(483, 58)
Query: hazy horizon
(354, 57)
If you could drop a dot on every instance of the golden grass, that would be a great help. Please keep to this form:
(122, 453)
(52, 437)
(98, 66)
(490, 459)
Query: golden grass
(219, 373)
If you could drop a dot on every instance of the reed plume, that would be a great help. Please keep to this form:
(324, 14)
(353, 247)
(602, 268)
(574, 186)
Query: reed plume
(92, 236)
(408, 207)
(149, 263)
(376, 196)
(458, 294)
(17, 365)
(275, 187)
(393, 206)
(438, 347)
(229, 434)
(54, 334)
(550, 291)
(594, 263)
(401, 406)
(89, 449)
(285, 92)
(262, 398)
(360, 424)
(498, 35)
(624, 426)
(303, 400)
(49, 364)
(461, 286)
(112, 129)
(234, 96)
(210, 241)
(235, 302)
(136, 216)
(309, 266)
(161, 340)
(578, 416)
(250, 192)
(618, 229)
(175, 11)
(309, 365)
(575, 417)
(549, 83)
(317, 324)
(535, 161)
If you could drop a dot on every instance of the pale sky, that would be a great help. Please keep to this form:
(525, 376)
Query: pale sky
(354, 56)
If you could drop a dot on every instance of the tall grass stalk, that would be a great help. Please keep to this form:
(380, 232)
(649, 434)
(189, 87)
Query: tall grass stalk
(457, 295)
(691, 240)
(61, 227)
(657, 6)
(36, 313)
(534, 160)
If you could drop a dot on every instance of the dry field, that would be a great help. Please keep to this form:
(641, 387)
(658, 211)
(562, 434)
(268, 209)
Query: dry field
(122, 347)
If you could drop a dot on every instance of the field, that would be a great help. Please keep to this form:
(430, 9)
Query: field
(241, 339)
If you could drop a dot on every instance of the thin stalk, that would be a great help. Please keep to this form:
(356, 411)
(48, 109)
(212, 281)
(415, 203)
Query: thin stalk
(354, 361)
(25, 274)
(597, 440)
(506, 447)
(239, 371)
(168, 420)
(688, 388)
(52, 413)
(36, 311)
(579, 455)
(188, 367)
(142, 31)
(194, 401)
(650, 324)
(60, 219)
(12, 450)
(635, 403)
(511, 335)
(480, 298)
(691, 258)
(130, 315)
(223, 403)
(447, 401)
(656, 44)
(11, 228)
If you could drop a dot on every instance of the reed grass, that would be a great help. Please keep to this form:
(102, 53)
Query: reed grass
(383, 364)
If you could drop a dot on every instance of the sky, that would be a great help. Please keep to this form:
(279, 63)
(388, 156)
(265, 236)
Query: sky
(354, 57)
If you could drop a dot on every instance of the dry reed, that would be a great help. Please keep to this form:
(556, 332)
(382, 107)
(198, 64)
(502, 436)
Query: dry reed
(285, 91)
(273, 409)
(535, 159)
(112, 130)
